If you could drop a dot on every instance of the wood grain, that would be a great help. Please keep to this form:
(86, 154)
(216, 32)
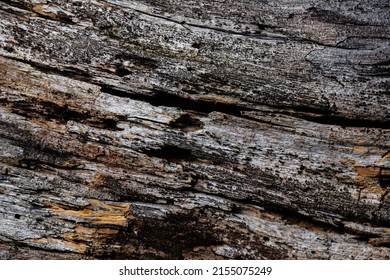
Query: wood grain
(194, 129)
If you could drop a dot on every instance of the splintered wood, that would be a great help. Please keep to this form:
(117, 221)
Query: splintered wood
(194, 129)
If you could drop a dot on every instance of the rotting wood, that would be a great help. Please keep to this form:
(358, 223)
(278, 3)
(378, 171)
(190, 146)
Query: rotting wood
(194, 129)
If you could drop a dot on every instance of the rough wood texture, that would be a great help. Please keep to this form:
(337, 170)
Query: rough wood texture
(195, 129)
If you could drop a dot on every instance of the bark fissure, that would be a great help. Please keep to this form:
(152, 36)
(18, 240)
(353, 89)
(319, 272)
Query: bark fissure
(139, 130)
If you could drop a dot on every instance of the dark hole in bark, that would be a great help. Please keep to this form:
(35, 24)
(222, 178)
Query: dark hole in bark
(170, 201)
(121, 72)
(9, 49)
(161, 98)
(108, 124)
(169, 152)
(187, 123)
(28, 163)
(365, 237)
(345, 122)
(196, 45)
(384, 180)
(262, 26)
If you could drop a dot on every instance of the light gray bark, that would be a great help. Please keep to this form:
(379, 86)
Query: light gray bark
(195, 129)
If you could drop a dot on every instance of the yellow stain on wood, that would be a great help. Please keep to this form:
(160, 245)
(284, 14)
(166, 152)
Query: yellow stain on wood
(385, 172)
(107, 231)
(80, 233)
(368, 177)
(374, 190)
(387, 155)
(384, 158)
(367, 171)
(347, 161)
(381, 241)
(368, 183)
(359, 150)
(89, 235)
(97, 213)
(97, 180)
(78, 240)
(39, 10)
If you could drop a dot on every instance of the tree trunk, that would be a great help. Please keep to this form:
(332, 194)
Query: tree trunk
(195, 129)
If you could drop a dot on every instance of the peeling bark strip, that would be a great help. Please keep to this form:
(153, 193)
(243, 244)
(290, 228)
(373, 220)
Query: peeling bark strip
(194, 129)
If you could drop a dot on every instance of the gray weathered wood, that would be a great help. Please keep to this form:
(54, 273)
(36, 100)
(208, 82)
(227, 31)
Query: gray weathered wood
(194, 129)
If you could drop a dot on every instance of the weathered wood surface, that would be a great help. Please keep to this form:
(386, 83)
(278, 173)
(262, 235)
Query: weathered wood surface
(195, 129)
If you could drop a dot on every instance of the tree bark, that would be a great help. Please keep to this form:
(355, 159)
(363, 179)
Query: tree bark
(194, 129)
